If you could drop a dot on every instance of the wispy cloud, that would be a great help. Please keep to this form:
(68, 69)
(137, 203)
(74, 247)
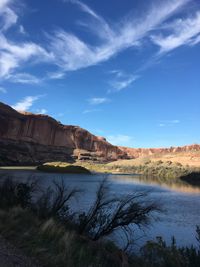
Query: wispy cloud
(56, 75)
(183, 32)
(12, 54)
(69, 52)
(8, 16)
(121, 80)
(3, 90)
(25, 103)
(86, 111)
(120, 140)
(15, 54)
(168, 123)
(72, 53)
(22, 30)
(98, 100)
(24, 78)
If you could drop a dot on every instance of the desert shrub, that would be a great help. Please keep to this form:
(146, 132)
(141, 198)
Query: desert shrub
(15, 194)
(158, 253)
(159, 162)
(108, 213)
(178, 164)
(63, 169)
(53, 201)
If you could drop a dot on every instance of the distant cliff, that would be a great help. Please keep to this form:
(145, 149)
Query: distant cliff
(145, 152)
(27, 138)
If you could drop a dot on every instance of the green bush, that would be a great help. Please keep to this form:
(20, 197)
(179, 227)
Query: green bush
(63, 169)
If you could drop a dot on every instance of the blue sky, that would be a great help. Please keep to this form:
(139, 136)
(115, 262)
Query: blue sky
(128, 70)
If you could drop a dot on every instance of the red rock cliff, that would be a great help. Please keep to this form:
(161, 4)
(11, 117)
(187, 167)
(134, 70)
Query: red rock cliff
(145, 152)
(40, 132)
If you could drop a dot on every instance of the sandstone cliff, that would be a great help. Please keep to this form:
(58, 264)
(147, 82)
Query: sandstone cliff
(145, 152)
(27, 138)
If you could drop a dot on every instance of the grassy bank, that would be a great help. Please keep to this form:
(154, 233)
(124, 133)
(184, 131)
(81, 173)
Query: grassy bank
(53, 244)
(162, 169)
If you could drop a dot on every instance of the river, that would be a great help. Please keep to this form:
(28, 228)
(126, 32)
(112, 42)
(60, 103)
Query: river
(180, 202)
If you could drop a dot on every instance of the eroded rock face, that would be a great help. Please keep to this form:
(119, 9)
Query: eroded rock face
(145, 152)
(28, 138)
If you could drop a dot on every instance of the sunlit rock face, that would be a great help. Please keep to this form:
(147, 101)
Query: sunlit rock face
(29, 138)
(145, 152)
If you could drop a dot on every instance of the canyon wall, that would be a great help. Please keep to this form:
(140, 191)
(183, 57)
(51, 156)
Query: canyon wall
(27, 138)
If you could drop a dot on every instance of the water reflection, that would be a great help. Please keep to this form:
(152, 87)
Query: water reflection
(172, 184)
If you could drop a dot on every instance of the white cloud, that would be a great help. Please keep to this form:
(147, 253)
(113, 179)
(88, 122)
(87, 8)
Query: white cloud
(72, 53)
(195, 40)
(24, 78)
(41, 111)
(90, 111)
(166, 123)
(12, 54)
(120, 140)
(175, 121)
(7, 16)
(25, 103)
(97, 100)
(184, 32)
(56, 75)
(3, 90)
(69, 52)
(21, 29)
(122, 80)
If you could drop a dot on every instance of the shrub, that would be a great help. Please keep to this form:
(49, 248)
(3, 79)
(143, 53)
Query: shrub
(53, 201)
(63, 169)
(158, 253)
(15, 194)
(108, 214)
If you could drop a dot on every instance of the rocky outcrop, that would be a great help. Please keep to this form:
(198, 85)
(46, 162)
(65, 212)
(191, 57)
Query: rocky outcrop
(27, 138)
(145, 152)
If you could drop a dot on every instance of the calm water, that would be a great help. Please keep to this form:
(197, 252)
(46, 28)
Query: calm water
(180, 201)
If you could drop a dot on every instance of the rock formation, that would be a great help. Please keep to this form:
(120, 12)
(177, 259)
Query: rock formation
(145, 152)
(26, 138)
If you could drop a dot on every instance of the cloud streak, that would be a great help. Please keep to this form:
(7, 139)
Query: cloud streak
(168, 123)
(71, 53)
(184, 32)
(122, 80)
(24, 78)
(8, 17)
(98, 100)
(12, 55)
(25, 103)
